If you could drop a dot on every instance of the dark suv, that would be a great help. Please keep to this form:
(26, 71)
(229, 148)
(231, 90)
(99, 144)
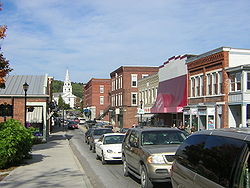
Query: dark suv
(213, 158)
(148, 153)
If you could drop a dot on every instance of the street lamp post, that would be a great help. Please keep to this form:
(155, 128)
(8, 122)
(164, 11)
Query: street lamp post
(25, 88)
(141, 102)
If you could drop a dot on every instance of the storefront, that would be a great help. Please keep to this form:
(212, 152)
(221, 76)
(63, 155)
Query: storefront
(199, 117)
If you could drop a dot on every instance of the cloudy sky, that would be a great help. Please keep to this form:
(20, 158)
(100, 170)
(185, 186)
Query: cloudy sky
(92, 38)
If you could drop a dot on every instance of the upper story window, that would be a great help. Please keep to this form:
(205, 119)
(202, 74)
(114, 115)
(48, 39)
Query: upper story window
(134, 80)
(133, 99)
(197, 86)
(101, 100)
(214, 84)
(201, 85)
(209, 84)
(235, 81)
(248, 81)
(219, 82)
(192, 87)
(144, 75)
(101, 88)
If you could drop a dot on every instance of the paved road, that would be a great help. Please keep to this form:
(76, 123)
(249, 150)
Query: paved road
(109, 175)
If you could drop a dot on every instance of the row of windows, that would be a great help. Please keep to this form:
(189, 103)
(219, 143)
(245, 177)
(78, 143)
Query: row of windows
(213, 84)
(117, 81)
(148, 96)
(116, 100)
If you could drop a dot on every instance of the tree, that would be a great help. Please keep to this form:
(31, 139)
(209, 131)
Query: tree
(4, 64)
(61, 104)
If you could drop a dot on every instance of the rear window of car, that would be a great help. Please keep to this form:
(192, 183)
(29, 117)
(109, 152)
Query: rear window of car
(213, 157)
(114, 139)
(162, 137)
(102, 131)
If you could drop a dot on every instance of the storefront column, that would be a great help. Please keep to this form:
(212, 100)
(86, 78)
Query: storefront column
(243, 115)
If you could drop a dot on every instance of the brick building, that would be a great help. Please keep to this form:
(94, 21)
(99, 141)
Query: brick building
(96, 98)
(124, 93)
(217, 89)
(12, 101)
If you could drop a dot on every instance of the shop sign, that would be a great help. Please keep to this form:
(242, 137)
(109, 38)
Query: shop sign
(140, 111)
(186, 112)
(210, 111)
(202, 112)
(194, 111)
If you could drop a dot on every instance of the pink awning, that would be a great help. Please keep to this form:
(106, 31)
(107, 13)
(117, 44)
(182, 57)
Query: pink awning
(172, 96)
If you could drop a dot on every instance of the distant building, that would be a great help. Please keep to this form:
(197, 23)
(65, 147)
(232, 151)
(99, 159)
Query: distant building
(96, 98)
(66, 95)
(124, 94)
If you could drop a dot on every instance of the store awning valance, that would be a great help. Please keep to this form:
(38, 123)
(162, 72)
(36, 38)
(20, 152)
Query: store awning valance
(172, 96)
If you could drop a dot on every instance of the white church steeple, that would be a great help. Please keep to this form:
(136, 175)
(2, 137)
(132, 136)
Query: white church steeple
(67, 88)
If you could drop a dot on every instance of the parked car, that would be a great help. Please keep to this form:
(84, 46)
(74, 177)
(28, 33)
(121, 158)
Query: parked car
(123, 130)
(109, 147)
(90, 123)
(213, 158)
(148, 153)
(95, 135)
(82, 121)
(72, 125)
(87, 134)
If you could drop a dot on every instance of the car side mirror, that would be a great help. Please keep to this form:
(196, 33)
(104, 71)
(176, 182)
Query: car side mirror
(134, 144)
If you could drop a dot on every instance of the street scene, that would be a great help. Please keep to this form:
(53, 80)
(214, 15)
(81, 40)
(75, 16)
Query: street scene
(129, 94)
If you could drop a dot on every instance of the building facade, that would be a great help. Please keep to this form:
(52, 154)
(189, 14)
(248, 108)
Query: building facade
(147, 87)
(172, 92)
(124, 94)
(38, 100)
(217, 83)
(96, 98)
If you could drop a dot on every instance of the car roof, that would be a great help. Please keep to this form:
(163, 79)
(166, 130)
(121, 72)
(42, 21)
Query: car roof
(237, 133)
(111, 134)
(145, 129)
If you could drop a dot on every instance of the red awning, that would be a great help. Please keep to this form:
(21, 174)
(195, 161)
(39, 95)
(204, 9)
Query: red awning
(172, 96)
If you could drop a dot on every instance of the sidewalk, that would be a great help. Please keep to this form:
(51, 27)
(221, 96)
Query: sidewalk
(53, 164)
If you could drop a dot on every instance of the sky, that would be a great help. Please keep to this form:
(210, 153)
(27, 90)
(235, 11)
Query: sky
(92, 38)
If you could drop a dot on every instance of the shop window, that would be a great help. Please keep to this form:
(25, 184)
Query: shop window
(194, 123)
(210, 122)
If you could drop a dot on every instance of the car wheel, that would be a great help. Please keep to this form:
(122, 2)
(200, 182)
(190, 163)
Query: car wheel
(125, 167)
(103, 160)
(145, 181)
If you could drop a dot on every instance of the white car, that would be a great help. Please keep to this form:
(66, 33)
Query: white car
(109, 147)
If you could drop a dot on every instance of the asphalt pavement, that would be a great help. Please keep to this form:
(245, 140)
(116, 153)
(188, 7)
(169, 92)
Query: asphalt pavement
(53, 164)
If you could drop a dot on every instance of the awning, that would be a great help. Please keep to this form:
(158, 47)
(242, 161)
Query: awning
(172, 96)
(145, 115)
(35, 116)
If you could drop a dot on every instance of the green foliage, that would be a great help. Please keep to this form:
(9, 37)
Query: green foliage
(15, 143)
(61, 104)
(77, 88)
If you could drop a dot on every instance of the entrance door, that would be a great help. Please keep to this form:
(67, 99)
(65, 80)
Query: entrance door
(203, 122)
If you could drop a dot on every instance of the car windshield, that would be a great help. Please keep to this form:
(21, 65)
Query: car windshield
(102, 131)
(162, 137)
(114, 139)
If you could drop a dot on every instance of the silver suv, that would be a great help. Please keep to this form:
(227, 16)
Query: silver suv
(148, 153)
(213, 158)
